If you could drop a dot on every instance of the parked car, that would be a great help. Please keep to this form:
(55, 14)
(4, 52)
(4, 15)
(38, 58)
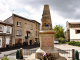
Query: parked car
(56, 41)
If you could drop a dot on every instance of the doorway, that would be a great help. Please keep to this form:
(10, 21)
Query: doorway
(18, 41)
(30, 42)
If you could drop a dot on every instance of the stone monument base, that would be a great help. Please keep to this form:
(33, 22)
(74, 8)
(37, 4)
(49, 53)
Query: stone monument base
(40, 52)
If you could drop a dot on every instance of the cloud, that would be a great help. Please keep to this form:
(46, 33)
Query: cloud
(61, 10)
(65, 8)
(23, 14)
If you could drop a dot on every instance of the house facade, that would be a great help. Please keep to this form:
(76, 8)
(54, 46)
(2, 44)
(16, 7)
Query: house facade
(24, 30)
(73, 31)
(5, 35)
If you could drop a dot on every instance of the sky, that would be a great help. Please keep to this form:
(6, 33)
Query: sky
(61, 10)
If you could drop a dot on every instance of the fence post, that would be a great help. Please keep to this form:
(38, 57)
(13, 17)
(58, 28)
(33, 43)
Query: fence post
(73, 54)
(21, 53)
(17, 54)
(76, 55)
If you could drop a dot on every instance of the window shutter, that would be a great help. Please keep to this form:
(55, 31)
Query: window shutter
(20, 32)
(0, 42)
(4, 29)
(7, 40)
(10, 30)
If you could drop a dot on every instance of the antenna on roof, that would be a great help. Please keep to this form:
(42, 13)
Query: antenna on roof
(12, 11)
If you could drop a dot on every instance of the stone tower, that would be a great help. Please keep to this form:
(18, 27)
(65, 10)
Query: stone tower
(46, 19)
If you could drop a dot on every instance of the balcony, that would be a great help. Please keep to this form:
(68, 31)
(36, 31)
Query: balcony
(4, 34)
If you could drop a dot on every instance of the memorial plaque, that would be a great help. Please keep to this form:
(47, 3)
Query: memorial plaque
(46, 41)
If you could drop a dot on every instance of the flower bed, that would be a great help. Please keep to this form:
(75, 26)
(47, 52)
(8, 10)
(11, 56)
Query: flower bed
(47, 56)
(4, 58)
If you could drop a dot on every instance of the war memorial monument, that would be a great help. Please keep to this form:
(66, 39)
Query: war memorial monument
(46, 35)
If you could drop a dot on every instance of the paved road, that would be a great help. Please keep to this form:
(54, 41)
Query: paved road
(10, 50)
(67, 47)
(57, 46)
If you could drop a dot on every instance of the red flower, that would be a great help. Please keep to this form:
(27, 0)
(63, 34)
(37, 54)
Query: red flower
(4, 57)
(47, 54)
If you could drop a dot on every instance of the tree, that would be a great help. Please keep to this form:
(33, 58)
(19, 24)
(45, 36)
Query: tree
(59, 31)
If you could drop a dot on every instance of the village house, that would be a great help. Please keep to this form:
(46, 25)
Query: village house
(73, 31)
(5, 34)
(24, 30)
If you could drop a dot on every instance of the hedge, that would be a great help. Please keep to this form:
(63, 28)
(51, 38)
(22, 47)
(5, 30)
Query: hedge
(74, 43)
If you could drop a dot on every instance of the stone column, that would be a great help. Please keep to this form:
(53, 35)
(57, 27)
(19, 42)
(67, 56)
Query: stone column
(73, 54)
(21, 53)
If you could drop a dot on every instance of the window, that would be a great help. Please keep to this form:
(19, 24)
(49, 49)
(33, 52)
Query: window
(18, 32)
(30, 34)
(77, 31)
(36, 25)
(36, 33)
(19, 23)
(31, 27)
(1, 30)
(8, 30)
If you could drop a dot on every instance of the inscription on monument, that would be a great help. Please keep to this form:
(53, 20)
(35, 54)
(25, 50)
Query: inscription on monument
(46, 41)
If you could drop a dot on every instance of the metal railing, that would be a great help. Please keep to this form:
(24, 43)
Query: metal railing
(26, 53)
(66, 53)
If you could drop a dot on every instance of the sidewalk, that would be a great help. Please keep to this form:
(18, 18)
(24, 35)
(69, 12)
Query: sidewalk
(6, 52)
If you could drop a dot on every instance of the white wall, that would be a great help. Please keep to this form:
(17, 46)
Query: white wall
(73, 35)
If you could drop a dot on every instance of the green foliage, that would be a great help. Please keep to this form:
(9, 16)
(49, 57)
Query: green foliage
(74, 43)
(61, 38)
(59, 31)
(4, 58)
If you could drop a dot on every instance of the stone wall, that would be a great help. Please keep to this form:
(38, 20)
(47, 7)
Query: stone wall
(26, 26)
(76, 40)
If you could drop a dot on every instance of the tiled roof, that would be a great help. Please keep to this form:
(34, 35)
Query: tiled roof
(25, 18)
(6, 23)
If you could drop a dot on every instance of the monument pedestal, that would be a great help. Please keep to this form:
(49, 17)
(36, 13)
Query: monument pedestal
(39, 53)
(46, 44)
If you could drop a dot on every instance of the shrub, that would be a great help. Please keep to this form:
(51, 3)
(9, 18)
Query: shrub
(4, 58)
(62, 40)
(71, 42)
(74, 43)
